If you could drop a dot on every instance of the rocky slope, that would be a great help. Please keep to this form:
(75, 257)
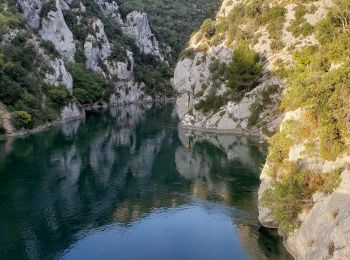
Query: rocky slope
(82, 53)
(300, 93)
(202, 71)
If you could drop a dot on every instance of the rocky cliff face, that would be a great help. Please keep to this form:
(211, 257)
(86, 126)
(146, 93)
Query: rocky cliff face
(63, 35)
(322, 229)
(197, 74)
(55, 30)
(304, 189)
(137, 27)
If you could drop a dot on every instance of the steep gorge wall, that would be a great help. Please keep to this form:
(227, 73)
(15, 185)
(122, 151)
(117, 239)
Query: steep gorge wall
(301, 96)
(63, 35)
(201, 72)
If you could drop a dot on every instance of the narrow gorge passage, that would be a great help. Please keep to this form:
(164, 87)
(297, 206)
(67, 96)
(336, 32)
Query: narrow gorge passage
(128, 183)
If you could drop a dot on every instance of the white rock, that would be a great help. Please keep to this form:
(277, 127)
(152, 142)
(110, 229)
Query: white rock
(136, 26)
(64, 6)
(325, 232)
(71, 112)
(227, 6)
(60, 75)
(127, 92)
(31, 11)
(110, 8)
(96, 47)
(265, 217)
(55, 30)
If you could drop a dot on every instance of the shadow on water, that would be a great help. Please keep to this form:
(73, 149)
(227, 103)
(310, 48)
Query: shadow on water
(127, 182)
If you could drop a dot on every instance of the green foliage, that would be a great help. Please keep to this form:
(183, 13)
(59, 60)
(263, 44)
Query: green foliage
(80, 32)
(10, 91)
(331, 181)
(218, 74)
(21, 119)
(255, 111)
(244, 19)
(337, 22)
(9, 18)
(49, 47)
(319, 84)
(212, 103)
(300, 26)
(263, 102)
(155, 74)
(188, 53)
(79, 56)
(245, 70)
(22, 83)
(208, 29)
(280, 144)
(290, 195)
(59, 96)
(314, 84)
(285, 200)
(274, 18)
(88, 86)
(118, 52)
(173, 21)
(47, 7)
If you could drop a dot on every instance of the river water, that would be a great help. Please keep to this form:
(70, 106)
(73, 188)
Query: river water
(128, 183)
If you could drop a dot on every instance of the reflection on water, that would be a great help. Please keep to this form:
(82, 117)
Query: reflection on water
(128, 183)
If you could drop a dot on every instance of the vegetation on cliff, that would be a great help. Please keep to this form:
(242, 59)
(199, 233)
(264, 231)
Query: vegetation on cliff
(24, 69)
(22, 85)
(311, 40)
(319, 84)
(173, 21)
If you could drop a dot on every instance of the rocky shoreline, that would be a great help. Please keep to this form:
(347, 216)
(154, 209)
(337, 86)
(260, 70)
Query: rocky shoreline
(237, 132)
(47, 126)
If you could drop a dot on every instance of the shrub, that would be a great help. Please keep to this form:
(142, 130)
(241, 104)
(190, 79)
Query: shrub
(9, 19)
(88, 86)
(10, 91)
(255, 111)
(79, 56)
(172, 21)
(28, 102)
(118, 52)
(290, 195)
(212, 103)
(245, 70)
(208, 29)
(300, 26)
(280, 144)
(59, 96)
(274, 18)
(47, 7)
(331, 181)
(188, 53)
(21, 119)
(154, 74)
(47, 45)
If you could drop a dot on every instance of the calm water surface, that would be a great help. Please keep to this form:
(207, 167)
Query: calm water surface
(127, 183)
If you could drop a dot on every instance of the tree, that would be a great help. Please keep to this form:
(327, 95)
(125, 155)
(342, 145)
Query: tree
(245, 70)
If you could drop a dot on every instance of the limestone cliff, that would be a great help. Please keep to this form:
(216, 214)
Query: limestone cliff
(201, 72)
(301, 95)
(70, 39)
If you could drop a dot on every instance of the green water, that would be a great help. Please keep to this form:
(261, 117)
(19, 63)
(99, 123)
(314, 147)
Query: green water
(127, 183)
